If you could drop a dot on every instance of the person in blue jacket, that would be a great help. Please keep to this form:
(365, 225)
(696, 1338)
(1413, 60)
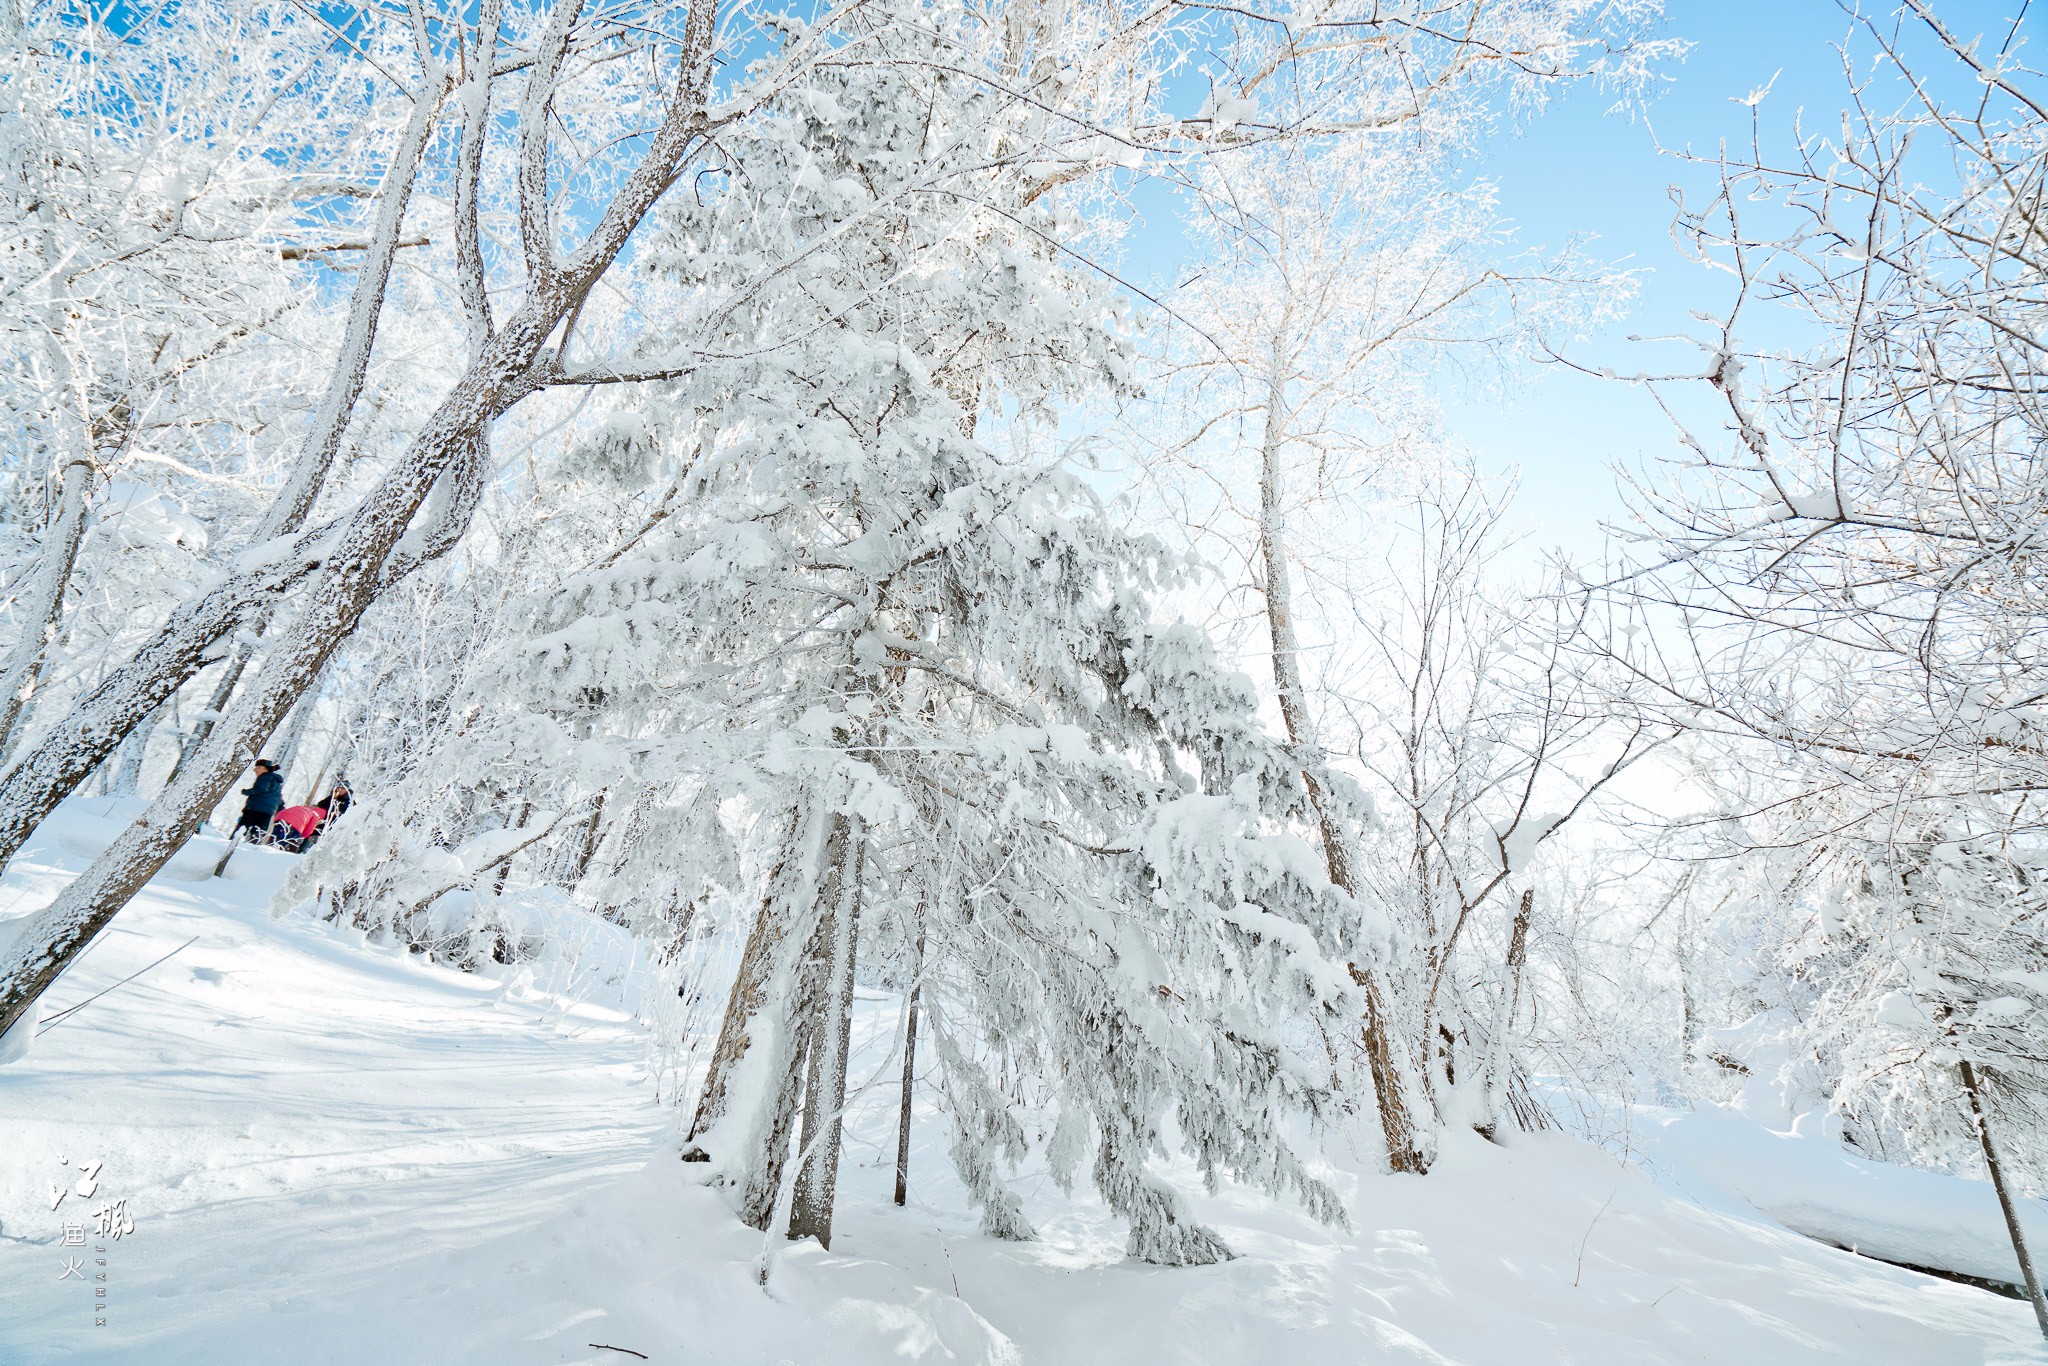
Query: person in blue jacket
(266, 799)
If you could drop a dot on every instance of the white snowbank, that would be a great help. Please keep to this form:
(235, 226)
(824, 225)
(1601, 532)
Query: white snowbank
(1815, 1186)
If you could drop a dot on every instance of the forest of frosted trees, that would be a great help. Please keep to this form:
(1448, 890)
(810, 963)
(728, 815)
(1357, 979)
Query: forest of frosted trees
(740, 473)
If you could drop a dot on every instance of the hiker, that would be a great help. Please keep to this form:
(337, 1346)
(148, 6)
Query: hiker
(337, 801)
(297, 827)
(266, 796)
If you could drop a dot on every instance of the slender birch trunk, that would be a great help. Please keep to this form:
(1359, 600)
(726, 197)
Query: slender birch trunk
(1397, 1125)
(909, 1074)
(2013, 1230)
(1511, 1001)
(43, 604)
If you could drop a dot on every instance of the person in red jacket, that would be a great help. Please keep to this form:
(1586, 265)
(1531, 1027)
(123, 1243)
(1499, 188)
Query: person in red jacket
(296, 826)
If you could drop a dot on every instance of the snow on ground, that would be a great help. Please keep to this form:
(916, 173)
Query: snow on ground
(333, 1154)
(1818, 1187)
(287, 1111)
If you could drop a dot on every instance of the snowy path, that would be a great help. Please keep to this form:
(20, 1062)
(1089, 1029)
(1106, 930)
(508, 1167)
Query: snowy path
(287, 1112)
(334, 1155)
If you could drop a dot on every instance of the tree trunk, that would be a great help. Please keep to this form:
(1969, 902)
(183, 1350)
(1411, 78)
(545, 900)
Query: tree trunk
(284, 751)
(586, 849)
(2005, 1204)
(43, 605)
(756, 1165)
(216, 706)
(134, 754)
(1511, 1000)
(817, 1180)
(505, 864)
(749, 991)
(1397, 1126)
(909, 1074)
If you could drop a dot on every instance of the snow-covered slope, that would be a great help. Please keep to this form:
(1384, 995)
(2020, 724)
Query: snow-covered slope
(334, 1154)
(1816, 1186)
(287, 1111)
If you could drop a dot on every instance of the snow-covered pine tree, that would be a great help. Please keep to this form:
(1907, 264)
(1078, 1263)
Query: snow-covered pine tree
(924, 686)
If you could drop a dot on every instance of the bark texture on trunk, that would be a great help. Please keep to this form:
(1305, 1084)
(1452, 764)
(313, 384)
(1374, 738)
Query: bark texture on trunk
(791, 1068)
(772, 924)
(817, 1179)
(766, 1029)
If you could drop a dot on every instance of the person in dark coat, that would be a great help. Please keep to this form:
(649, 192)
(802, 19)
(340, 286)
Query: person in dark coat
(265, 800)
(337, 801)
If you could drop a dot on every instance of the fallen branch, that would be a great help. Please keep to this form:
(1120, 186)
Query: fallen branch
(68, 1011)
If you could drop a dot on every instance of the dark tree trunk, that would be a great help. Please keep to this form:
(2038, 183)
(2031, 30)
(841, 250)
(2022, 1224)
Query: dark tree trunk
(2005, 1204)
(909, 1075)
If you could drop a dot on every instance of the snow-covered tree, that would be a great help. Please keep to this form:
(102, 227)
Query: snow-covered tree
(558, 84)
(912, 692)
(152, 249)
(1294, 383)
(1845, 588)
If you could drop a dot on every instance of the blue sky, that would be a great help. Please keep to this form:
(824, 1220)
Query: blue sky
(1578, 169)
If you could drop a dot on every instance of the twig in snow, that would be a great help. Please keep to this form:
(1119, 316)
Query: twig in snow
(947, 1252)
(1579, 1270)
(68, 1011)
(607, 1347)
